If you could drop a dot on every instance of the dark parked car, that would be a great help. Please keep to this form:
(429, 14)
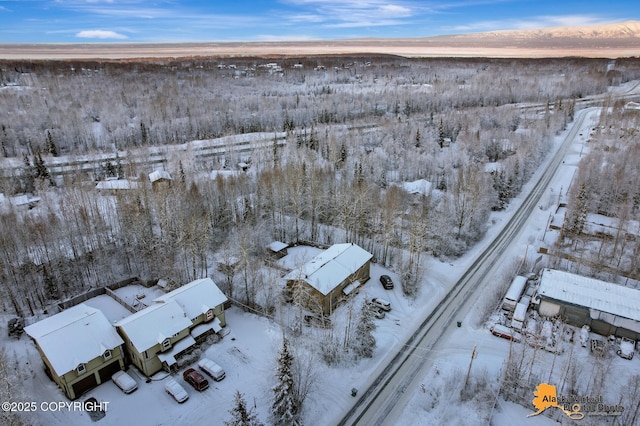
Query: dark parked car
(386, 281)
(15, 327)
(195, 379)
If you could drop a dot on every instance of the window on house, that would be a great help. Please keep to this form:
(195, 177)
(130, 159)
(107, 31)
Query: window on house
(81, 368)
(166, 344)
(209, 314)
(146, 355)
(107, 354)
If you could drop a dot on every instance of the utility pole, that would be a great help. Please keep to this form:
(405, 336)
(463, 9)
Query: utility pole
(473, 355)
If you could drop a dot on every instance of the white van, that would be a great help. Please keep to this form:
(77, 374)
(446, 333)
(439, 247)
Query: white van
(212, 369)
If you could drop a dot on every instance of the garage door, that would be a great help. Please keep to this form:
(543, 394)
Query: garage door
(84, 385)
(107, 371)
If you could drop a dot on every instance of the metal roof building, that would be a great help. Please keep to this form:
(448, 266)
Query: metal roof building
(606, 307)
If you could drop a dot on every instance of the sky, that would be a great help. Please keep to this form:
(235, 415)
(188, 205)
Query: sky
(81, 21)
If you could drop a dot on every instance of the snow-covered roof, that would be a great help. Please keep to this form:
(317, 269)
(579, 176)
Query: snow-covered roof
(117, 184)
(331, 267)
(74, 336)
(158, 175)
(197, 297)
(154, 324)
(23, 199)
(276, 246)
(420, 186)
(493, 167)
(591, 293)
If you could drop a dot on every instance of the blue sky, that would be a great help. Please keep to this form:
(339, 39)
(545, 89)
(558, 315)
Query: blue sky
(68, 21)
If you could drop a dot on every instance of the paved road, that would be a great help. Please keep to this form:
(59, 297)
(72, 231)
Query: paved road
(383, 400)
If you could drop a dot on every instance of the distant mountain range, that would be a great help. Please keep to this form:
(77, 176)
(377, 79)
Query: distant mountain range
(609, 41)
(621, 30)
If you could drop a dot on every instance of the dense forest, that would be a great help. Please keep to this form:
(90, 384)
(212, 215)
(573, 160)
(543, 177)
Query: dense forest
(357, 131)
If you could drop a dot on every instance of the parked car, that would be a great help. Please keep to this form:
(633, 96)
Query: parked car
(598, 347)
(626, 348)
(381, 303)
(174, 389)
(378, 313)
(318, 321)
(195, 379)
(212, 369)
(505, 333)
(124, 381)
(15, 327)
(386, 281)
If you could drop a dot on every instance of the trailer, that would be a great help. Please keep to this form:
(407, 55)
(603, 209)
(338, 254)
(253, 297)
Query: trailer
(513, 294)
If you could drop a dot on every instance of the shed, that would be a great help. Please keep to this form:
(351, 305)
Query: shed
(278, 249)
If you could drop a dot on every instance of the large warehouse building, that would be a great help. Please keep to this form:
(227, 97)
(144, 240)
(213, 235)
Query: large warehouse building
(609, 309)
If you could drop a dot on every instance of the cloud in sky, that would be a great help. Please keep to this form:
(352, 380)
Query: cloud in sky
(102, 34)
(353, 14)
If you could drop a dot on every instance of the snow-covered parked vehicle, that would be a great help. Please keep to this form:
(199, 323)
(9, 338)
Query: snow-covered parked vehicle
(176, 390)
(212, 369)
(381, 303)
(627, 347)
(506, 333)
(584, 336)
(124, 381)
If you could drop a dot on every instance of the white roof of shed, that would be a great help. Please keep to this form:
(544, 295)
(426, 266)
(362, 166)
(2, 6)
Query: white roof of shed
(153, 324)
(197, 297)
(276, 246)
(117, 184)
(159, 174)
(331, 267)
(74, 336)
(591, 293)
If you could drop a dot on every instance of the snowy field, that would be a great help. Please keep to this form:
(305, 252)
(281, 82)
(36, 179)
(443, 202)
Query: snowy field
(249, 351)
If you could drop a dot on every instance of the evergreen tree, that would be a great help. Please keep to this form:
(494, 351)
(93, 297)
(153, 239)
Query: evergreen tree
(240, 416)
(41, 170)
(183, 176)
(27, 181)
(276, 154)
(144, 133)
(579, 218)
(3, 141)
(50, 285)
(51, 145)
(285, 409)
(441, 134)
(363, 341)
(418, 138)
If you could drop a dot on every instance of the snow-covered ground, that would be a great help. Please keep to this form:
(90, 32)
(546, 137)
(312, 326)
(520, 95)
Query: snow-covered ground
(249, 351)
